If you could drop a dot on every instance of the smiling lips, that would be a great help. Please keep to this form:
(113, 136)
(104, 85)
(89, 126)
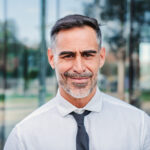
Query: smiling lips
(80, 79)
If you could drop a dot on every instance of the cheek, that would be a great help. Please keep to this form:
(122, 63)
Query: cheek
(62, 67)
(93, 66)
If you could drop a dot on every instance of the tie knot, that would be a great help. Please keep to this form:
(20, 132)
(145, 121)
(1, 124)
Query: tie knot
(80, 117)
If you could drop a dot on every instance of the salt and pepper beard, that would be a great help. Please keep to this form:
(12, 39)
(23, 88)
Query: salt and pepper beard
(80, 90)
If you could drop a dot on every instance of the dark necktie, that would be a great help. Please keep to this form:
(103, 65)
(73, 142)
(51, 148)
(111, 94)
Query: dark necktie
(82, 139)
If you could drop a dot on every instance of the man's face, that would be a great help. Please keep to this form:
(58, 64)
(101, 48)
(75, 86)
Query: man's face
(76, 60)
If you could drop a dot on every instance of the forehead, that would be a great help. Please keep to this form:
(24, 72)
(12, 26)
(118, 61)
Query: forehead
(77, 38)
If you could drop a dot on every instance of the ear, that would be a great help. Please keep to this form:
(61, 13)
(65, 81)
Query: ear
(50, 58)
(102, 57)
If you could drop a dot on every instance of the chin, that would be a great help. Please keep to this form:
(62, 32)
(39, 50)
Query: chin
(79, 93)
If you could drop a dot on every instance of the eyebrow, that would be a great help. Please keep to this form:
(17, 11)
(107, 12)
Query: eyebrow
(72, 53)
(89, 51)
(66, 53)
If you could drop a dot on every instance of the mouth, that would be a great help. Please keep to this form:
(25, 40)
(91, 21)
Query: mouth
(80, 79)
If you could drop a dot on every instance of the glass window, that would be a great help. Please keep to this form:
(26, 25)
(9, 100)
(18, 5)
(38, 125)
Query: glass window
(26, 79)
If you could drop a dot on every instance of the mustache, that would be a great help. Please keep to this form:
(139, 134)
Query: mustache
(77, 75)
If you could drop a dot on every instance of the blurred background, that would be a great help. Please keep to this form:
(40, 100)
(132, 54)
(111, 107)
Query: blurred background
(26, 79)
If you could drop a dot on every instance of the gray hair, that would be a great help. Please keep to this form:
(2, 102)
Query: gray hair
(71, 21)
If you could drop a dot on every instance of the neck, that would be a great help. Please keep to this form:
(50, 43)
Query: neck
(78, 102)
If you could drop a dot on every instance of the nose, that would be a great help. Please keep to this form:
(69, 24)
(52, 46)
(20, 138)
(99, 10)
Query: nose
(79, 66)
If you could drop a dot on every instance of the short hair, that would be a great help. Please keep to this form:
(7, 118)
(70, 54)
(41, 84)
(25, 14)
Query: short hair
(72, 21)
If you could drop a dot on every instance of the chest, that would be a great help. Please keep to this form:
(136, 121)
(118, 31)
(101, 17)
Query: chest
(103, 135)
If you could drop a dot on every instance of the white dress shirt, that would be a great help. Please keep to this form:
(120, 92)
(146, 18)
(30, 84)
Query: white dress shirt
(111, 125)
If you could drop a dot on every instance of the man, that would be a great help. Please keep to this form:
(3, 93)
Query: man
(80, 117)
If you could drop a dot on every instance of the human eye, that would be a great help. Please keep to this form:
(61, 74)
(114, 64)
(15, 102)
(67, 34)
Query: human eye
(67, 55)
(89, 54)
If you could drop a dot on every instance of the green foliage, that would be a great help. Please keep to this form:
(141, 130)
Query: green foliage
(116, 11)
(50, 71)
(145, 95)
(2, 97)
(25, 98)
(33, 74)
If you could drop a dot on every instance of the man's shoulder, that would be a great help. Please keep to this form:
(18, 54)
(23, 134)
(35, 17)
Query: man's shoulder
(36, 123)
(119, 105)
(121, 111)
(37, 114)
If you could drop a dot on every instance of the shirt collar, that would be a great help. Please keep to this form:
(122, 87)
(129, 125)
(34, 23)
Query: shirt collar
(65, 107)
